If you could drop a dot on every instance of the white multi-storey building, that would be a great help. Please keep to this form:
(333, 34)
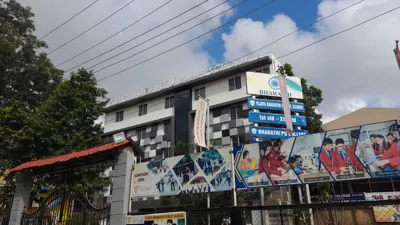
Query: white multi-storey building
(158, 119)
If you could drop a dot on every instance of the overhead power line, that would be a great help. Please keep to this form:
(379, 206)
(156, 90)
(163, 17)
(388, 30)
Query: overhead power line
(59, 26)
(115, 34)
(90, 28)
(137, 36)
(152, 38)
(282, 56)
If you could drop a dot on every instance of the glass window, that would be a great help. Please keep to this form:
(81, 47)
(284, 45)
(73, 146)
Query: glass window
(141, 133)
(199, 91)
(167, 127)
(217, 112)
(166, 103)
(238, 83)
(232, 84)
(232, 112)
(142, 110)
(235, 83)
(169, 102)
(119, 116)
(239, 111)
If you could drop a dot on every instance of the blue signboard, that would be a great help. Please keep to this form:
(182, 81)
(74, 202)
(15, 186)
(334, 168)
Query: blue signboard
(258, 117)
(272, 132)
(254, 103)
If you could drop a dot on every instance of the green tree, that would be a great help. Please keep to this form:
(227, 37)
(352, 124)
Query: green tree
(24, 75)
(40, 115)
(312, 98)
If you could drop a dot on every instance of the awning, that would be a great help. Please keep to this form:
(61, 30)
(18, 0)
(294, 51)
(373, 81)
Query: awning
(74, 159)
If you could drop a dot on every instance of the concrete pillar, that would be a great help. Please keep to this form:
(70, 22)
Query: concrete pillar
(121, 188)
(21, 196)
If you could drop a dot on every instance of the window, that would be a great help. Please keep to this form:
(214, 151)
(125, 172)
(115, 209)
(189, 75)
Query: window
(167, 127)
(141, 133)
(263, 70)
(119, 116)
(235, 83)
(169, 102)
(236, 112)
(142, 109)
(199, 91)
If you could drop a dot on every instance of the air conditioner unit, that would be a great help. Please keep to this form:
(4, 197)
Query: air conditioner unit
(119, 137)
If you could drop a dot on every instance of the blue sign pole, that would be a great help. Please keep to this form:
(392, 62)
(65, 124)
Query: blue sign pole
(272, 118)
(254, 103)
(272, 132)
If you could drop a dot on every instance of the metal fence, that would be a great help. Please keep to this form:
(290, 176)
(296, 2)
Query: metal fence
(357, 213)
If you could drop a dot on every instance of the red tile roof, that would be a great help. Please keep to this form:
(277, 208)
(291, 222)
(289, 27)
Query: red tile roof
(67, 157)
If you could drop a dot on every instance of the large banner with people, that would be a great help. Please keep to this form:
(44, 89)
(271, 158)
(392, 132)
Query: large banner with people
(206, 171)
(362, 152)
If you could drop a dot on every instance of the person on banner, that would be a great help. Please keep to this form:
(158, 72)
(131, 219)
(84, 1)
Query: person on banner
(394, 129)
(381, 146)
(391, 158)
(391, 139)
(269, 165)
(328, 157)
(372, 141)
(346, 157)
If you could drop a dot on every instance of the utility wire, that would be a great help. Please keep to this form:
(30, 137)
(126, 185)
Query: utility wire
(149, 31)
(84, 32)
(332, 35)
(101, 42)
(240, 3)
(366, 21)
(59, 26)
(254, 10)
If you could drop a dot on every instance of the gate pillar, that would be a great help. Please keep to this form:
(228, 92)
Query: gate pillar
(121, 188)
(21, 196)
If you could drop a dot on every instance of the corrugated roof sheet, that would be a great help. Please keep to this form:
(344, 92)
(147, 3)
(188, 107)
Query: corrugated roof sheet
(67, 157)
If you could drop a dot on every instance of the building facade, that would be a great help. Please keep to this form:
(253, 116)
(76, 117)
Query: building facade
(157, 121)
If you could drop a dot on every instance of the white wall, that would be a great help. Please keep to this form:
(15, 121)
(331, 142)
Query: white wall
(155, 111)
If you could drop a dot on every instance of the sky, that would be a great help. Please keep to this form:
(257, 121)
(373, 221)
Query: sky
(355, 69)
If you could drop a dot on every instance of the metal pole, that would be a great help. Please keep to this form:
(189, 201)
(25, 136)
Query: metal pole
(208, 147)
(233, 178)
(308, 197)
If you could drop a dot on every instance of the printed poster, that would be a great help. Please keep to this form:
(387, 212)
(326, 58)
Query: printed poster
(338, 154)
(264, 164)
(176, 218)
(305, 161)
(379, 150)
(207, 171)
(385, 213)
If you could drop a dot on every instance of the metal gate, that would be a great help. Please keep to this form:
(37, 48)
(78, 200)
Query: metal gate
(5, 210)
(67, 206)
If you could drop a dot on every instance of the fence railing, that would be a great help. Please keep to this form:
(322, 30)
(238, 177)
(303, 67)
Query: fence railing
(353, 213)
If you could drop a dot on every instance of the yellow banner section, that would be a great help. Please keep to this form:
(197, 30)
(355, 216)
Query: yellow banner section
(165, 216)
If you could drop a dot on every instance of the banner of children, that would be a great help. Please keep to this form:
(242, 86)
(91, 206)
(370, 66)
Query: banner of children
(362, 152)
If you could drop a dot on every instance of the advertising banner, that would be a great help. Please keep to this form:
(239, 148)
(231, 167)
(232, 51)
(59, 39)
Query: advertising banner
(207, 171)
(378, 149)
(175, 218)
(200, 123)
(268, 85)
(385, 213)
(340, 198)
(264, 164)
(272, 118)
(254, 103)
(305, 159)
(272, 132)
(338, 154)
(285, 102)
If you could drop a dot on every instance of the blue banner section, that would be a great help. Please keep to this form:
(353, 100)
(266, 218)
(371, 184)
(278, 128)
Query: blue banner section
(254, 103)
(272, 132)
(272, 118)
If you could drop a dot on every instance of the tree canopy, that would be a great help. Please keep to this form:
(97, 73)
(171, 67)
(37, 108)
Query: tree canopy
(42, 115)
(312, 98)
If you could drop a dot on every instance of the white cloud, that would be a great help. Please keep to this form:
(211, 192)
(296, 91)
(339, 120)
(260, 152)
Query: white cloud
(351, 68)
(180, 62)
